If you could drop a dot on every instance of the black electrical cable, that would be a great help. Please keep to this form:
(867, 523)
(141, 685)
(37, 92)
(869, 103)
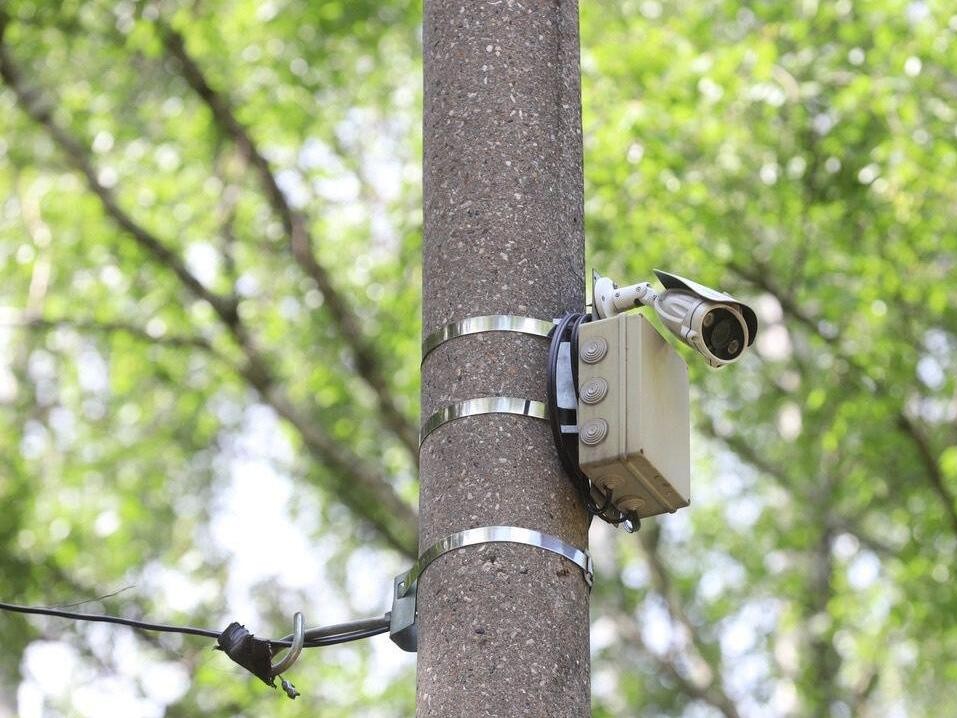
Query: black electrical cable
(551, 390)
(340, 633)
(568, 450)
(100, 618)
(346, 637)
(315, 637)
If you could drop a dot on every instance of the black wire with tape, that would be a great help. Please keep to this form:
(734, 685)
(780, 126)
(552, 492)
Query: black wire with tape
(242, 647)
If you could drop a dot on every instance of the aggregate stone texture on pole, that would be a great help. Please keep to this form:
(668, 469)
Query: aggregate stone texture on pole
(503, 628)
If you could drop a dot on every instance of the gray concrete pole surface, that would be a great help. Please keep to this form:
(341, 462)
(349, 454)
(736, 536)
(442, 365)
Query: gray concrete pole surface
(503, 628)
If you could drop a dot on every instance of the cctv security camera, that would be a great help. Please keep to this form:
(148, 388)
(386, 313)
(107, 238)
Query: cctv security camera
(714, 324)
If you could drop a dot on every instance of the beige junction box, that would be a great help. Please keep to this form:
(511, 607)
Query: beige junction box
(633, 416)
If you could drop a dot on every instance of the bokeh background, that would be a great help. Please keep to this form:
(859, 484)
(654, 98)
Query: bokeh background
(210, 235)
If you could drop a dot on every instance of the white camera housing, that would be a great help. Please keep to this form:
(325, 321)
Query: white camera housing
(715, 324)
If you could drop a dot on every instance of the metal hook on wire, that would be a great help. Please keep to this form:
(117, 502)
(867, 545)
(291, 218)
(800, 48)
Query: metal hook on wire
(298, 639)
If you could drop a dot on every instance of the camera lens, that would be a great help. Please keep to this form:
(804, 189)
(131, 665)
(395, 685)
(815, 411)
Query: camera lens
(723, 333)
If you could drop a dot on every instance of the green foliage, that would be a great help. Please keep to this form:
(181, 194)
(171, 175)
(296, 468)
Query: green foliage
(802, 155)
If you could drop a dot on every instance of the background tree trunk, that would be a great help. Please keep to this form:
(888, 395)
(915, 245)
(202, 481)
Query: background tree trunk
(503, 628)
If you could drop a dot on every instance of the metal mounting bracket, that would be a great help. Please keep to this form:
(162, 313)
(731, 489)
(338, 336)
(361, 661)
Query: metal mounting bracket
(486, 323)
(403, 629)
(483, 405)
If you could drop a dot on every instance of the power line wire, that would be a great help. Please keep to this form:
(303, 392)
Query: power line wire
(315, 637)
(102, 618)
(242, 647)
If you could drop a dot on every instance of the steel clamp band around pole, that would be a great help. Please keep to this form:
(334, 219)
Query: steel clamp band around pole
(487, 323)
(403, 618)
(482, 405)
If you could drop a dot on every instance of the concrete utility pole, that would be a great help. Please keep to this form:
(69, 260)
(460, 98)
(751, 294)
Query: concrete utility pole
(503, 628)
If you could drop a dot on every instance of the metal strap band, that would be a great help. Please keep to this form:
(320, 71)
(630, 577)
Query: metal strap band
(402, 624)
(495, 534)
(483, 405)
(488, 323)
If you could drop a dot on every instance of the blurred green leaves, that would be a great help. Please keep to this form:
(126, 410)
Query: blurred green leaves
(804, 156)
(800, 155)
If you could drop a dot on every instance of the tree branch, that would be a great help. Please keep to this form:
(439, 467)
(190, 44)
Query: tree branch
(39, 233)
(761, 278)
(357, 484)
(300, 240)
(41, 113)
(864, 692)
(661, 580)
(824, 661)
(255, 374)
(44, 324)
(710, 692)
(934, 474)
